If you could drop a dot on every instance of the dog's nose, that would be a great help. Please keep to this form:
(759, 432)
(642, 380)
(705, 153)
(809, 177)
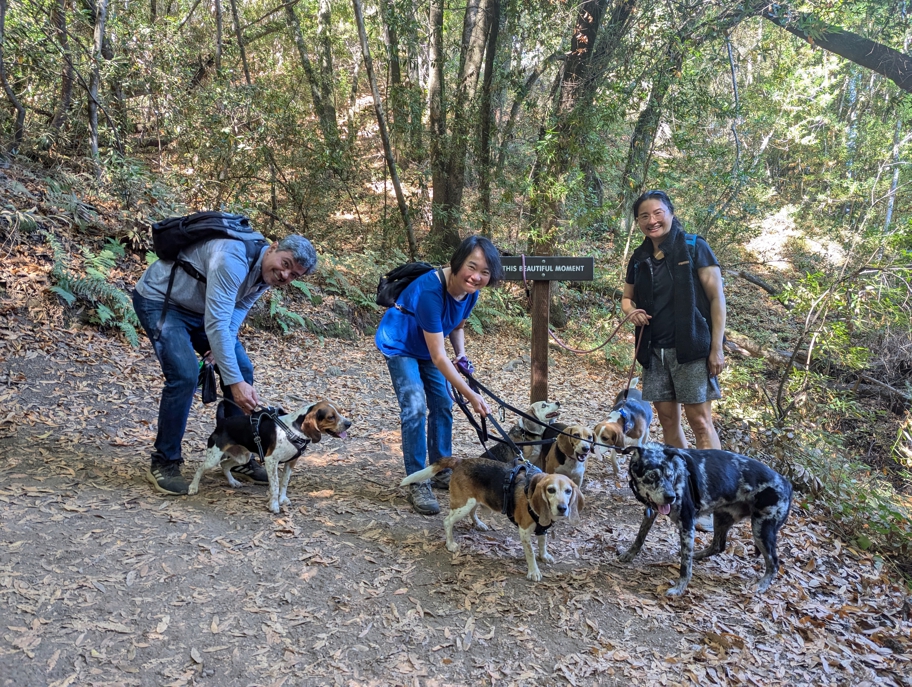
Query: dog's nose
(561, 508)
(669, 497)
(348, 423)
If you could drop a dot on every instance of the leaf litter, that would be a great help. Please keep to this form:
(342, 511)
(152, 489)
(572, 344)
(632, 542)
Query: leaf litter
(103, 582)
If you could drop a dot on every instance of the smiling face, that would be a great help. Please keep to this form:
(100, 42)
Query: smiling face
(654, 220)
(279, 267)
(474, 274)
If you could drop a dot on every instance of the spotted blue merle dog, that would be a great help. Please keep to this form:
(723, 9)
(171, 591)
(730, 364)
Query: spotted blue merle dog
(687, 483)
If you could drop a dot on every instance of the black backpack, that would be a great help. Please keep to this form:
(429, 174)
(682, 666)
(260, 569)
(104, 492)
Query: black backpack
(172, 235)
(393, 283)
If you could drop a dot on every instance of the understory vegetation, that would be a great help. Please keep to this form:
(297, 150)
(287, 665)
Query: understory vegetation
(536, 124)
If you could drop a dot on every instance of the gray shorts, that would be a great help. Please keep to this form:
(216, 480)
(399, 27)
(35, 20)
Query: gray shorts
(666, 380)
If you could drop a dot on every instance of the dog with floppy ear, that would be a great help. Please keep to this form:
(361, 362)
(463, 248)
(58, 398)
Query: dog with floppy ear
(532, 502)
(567, 455)
(627, 424)
(234, 439)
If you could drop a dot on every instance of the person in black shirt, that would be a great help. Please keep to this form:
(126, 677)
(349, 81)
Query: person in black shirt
(676, 280)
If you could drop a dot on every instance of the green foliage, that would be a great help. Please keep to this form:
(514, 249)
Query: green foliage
(287, 320)
(109, 306)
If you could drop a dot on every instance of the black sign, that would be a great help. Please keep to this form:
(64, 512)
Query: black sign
(547, 268)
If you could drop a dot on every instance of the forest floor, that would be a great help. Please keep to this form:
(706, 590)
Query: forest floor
(105, 582)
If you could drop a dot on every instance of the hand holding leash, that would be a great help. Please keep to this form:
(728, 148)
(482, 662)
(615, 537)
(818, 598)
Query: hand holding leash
(245, 396)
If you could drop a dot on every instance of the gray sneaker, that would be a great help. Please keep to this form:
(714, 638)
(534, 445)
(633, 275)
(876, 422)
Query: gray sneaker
(166, 477)
(442, 479)
(251, 472)
(422, 499)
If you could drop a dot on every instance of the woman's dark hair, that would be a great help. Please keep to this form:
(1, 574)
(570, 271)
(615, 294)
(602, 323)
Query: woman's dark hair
(663, 198)
(491, 256)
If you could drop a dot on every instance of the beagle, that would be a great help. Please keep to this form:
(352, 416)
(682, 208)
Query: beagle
(234, 439)
(545, 412)
(531, 499)
(627, 424)
(567, 455)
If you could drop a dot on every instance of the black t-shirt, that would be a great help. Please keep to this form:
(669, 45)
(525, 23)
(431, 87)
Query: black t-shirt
(662, 324)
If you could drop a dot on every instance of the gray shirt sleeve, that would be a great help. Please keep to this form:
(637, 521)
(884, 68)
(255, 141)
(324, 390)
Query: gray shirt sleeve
(226, 272)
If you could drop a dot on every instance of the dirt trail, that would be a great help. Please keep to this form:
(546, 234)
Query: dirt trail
(103, 582)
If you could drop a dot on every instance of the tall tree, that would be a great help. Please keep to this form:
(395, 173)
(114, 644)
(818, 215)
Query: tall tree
(449, 172)
(219, 41)
(384, 133)
(325, 62)
(101, 15)
(19, 126)
(239, 35)
(65, 94)
(486, 121)
(326, 113)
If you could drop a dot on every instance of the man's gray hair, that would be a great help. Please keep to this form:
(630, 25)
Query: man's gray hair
(302, 250)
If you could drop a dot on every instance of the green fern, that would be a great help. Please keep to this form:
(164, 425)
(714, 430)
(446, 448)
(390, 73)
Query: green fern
(286, 319)
(111, 307)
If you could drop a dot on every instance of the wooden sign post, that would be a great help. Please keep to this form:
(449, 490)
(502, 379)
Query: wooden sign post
(541, 271)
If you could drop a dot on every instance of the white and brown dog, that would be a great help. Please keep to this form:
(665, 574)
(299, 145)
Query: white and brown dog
(627, 424)
(567, 455)
(533, 502)
(545, 412)
(234, 440)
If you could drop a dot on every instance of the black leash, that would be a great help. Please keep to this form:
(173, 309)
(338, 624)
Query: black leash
(482, 430)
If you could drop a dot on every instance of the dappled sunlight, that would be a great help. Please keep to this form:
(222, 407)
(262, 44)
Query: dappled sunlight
(783, 243)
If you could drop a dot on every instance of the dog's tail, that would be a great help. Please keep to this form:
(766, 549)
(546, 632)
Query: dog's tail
(430, 471)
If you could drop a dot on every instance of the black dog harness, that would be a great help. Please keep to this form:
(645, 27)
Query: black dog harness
(300, 443)
(509, 495)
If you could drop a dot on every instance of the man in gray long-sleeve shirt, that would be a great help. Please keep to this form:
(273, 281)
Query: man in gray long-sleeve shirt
(204, 318)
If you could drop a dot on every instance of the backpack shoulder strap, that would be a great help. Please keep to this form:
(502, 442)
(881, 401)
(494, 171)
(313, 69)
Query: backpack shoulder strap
(691, 240)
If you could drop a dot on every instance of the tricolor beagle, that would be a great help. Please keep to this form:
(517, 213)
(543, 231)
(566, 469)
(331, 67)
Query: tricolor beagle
(533, 502)
(234, 439)
(627, 424)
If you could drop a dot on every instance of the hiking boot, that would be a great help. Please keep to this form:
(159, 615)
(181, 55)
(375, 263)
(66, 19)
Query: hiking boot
(422, 499)
(442, 479)
(166, 477)
(251, 472)
(705, 523)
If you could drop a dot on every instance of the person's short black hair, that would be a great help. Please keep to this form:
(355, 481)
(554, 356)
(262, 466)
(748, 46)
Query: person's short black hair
(488, 249)
(660, 196)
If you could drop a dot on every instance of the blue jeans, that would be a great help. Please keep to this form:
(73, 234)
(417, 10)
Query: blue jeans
(183, 335)
(421, 391)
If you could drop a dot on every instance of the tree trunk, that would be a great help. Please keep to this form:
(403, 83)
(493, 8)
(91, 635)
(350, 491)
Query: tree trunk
(449, 178)
(874, 56)
(101, 15)
(486, 121)
(219, 41)
(62, 112)
(239, 34)
(19, 127)
(325, 115)
(521, 96)
(384, 134)
(327, 79)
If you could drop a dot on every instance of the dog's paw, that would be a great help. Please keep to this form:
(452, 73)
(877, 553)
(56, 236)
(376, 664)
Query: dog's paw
(677, 590)
(274, 507)
(546, 557)
(764, 584)
(627, 556)
(234, 484)
(452, 547)
(285, 501)
(191, 490)
(480, 526)
(534, 575)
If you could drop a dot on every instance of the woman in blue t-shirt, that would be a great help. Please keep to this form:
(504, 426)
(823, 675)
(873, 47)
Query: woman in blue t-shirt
(411, 338)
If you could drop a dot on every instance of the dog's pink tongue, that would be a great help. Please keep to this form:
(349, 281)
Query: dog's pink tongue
(665, 509)
(343, 435)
